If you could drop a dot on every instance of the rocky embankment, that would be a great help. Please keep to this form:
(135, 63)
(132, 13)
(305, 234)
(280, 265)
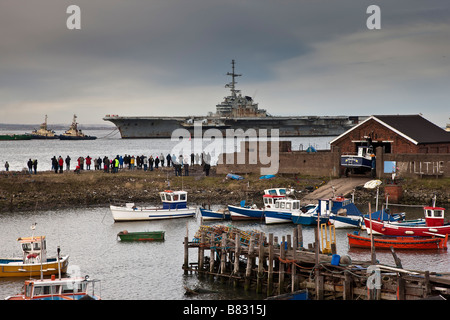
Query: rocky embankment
(25, 192)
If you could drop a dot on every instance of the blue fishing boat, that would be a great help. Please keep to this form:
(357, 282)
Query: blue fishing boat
(222, 214)
(245, 212)
(309, 214)
(282, 211)
(360, 162)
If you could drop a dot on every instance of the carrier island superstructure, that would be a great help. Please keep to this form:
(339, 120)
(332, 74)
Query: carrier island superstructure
(234, 112)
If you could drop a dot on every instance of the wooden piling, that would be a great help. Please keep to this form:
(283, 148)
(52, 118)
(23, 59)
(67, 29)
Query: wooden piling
(289, 267)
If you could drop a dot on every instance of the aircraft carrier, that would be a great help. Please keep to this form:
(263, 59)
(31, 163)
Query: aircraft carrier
(234, 112)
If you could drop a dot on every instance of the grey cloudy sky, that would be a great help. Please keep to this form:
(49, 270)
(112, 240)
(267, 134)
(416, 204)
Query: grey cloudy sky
(170, 57)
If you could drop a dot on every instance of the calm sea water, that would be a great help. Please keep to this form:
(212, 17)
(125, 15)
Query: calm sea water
(150, 270)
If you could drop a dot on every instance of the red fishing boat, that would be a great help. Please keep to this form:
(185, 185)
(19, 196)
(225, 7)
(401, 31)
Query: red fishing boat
(434, 225)
(386, 242)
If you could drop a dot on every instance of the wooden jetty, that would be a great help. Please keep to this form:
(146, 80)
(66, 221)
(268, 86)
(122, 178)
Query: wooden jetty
(253, 261)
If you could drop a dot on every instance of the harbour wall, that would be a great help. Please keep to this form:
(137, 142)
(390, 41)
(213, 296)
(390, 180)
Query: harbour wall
(327, 162)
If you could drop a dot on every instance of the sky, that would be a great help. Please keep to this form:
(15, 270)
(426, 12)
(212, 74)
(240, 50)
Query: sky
(171, 57)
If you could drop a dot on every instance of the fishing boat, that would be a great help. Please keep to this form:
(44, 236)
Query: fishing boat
(308, 215)
(15, 137)
(73, 133)
(78, 288)
(401, 242)
(222, 214)
(360, 162)
(282, 211)
(245, 212)
(345, 214)
(174, 205)
(141, 235)
(434, 225)
(34, 260)
(43, 132)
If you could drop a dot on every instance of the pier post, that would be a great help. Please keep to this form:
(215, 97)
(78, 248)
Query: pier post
(260, 275)
(248, 271)
(186, 255)
(282, 266)
(201, 252)
(223, 254)
(270, 266)
(237, 252)
(212, 255)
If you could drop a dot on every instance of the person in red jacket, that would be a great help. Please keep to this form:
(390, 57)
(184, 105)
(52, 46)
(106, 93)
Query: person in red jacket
(88, 163)
(60, 164)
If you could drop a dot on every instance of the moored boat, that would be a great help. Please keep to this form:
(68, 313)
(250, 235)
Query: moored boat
(401, 242)
(308, 215)
(245, 212)
(58, 289)
(141, 235)
(222, 214)
(34, 261)
(434, 225)
(174, 205)
(282, 211)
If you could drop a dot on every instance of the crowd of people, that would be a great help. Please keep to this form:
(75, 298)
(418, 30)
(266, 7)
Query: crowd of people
(180, 164)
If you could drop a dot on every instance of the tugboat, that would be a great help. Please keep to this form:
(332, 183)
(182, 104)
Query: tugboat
(43, 132)
(74, 134)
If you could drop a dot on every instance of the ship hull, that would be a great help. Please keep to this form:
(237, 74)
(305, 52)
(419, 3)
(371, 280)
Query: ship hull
(164, 127)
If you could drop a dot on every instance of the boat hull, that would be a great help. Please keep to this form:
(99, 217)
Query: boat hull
(141, 236)
(15, 137)
(208, 215)
(308, 219)
(274, 217)
(16, 267)
(409, 243)
(143, 213)
(349, 221)
(243, 213)
(163, 127)
(397, 229)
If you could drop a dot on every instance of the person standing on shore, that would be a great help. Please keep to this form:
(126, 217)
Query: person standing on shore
(161, 158)
(60, 164)
(6, 166)
(67, 163)
(169, 158)
(35, 162)
(30, 166)
(88, 163)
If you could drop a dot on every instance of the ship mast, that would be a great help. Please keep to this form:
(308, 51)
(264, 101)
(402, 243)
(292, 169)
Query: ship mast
(232, 84)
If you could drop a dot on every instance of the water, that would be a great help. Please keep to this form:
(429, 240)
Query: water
(109, 143)
(153, 270)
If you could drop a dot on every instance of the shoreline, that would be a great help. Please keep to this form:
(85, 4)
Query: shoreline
(21, 191)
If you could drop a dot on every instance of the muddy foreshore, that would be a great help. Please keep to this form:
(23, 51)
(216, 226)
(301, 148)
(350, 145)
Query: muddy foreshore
(20, 191)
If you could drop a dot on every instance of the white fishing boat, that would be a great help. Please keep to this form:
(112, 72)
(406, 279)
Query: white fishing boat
(245, 212)
(78, 288)
(282, 211)
(174, 205)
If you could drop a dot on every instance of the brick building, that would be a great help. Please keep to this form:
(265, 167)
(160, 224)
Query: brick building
(397, 134)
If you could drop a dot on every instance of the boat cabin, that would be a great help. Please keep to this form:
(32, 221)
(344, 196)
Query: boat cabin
(34, 249)
(288, 204)
(271, 196)
(434, 216)
(59, 289)
(173, 199)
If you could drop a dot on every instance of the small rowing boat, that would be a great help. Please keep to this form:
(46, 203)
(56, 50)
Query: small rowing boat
(141, 235)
